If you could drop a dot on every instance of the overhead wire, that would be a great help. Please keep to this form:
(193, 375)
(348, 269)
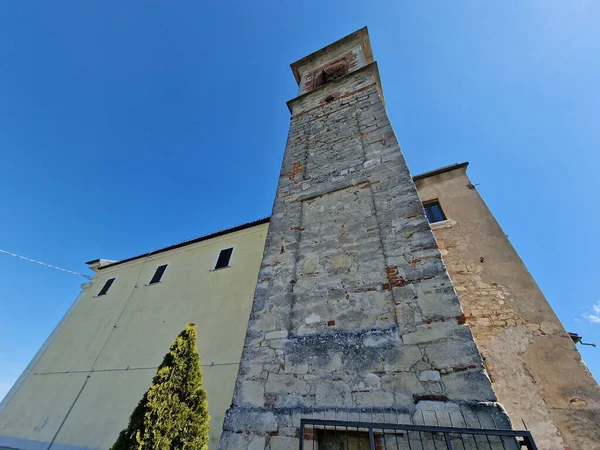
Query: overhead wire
(44, 264)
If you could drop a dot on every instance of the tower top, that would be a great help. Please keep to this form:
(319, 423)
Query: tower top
(333, 61)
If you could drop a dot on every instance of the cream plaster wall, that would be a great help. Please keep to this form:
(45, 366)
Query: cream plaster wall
(134, 325)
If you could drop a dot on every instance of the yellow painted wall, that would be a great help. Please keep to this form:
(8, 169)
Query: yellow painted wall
(134, 326)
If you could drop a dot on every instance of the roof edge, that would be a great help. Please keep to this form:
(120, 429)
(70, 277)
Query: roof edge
(444, 169)
(362, 33)
(191, 241)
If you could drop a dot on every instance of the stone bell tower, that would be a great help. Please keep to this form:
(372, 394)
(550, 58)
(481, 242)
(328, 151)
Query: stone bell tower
(354, 313)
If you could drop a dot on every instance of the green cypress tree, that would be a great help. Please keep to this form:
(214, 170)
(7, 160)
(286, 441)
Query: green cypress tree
(173, 413)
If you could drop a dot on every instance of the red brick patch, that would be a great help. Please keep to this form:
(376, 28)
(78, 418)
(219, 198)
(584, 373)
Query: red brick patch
(296, 170)
(394, 280)
(270, 398)
(415, 261)
(309, 434)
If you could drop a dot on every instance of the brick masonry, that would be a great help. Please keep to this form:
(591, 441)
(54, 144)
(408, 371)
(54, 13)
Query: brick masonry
(354, 314)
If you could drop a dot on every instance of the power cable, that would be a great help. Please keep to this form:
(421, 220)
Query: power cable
(44, 264)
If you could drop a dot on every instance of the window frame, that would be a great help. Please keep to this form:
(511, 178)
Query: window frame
(429, 204)
(219, 255)
(151, 283)
(111, 281)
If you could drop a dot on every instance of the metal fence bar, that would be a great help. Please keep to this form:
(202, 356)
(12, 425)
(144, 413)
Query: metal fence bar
(431, 429)
(448, 442)
(347, 437)
(421, 439)
(323, 430)
(528, 441)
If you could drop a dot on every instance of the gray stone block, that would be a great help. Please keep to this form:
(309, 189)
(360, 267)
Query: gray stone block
(376, 398)
(407, 381)
(336, 393)
(400, 358)
(286, 384)
(439, 305)
(468, 385)
(450, 354)
(284, 443)
(279, 334)
(435, 331)
(429, 375)
(256, 442)
(245, 419)
(241, 441)
(290, 401)
(251, 393)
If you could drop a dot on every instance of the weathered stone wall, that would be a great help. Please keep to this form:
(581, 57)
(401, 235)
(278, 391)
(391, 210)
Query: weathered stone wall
(354, 49)
(353, 56)
(354, 315)
(535, 368)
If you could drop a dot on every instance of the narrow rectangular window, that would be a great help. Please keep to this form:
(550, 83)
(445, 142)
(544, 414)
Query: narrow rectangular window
(106, 287)
(160, 270)
(434, 212)
(224, 258)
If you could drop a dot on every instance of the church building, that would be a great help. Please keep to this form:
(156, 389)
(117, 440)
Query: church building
(374, 309)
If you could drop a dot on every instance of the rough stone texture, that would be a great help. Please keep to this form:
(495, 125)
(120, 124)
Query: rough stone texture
(429, 375)
(536, 370)
(453, 354)
(353, 301)
(336, 393)
(239, 440)
(284, 443)
(252, 393)
(468, 385)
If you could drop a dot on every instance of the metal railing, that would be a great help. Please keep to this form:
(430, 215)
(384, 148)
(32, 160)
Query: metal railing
(317, 434)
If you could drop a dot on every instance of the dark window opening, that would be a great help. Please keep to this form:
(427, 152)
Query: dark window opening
(319, 79)
(335, 71)
(160, 270)
(347, 439)
(434, 212)
(224, 258)
(106, 287)
(330, 73)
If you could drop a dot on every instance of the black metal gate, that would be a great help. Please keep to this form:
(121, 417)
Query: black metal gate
(319, 434)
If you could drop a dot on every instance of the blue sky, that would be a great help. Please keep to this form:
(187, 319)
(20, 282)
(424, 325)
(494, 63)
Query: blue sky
(128, 126)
